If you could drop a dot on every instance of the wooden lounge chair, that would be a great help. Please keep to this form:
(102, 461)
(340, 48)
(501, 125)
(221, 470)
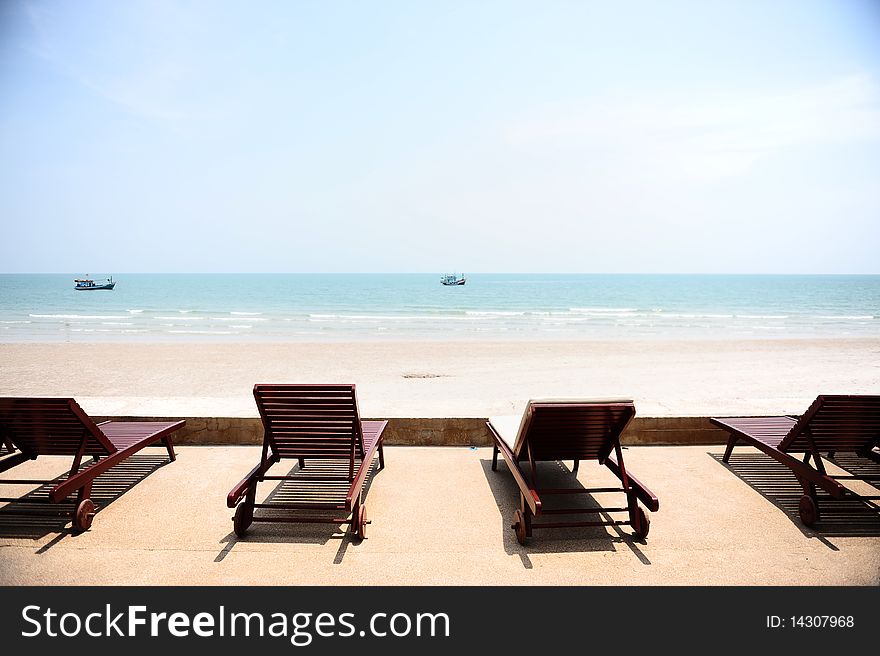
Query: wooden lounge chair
(587, 429)
(60, 427)
(306, 422)
(831, 424)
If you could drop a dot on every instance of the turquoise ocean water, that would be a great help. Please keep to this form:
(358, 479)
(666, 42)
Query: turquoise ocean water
(316, 307)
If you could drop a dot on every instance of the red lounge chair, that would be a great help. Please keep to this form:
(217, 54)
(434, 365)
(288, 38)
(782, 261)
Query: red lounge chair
(305, 422)
(831, 424)
(60, 427)
(569, 430)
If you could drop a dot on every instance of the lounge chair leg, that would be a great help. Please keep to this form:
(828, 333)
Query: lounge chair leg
(169, 445)
(244, 513)
(302, 463)
(522, 521)
(808, 507)
(730, 444)
(359, 522)
(381, 457)
(574, 469)
(808, 510)
(495, 457)
(637, 517)
(519, 526)
(85, 509)
(641, 524)
(527, 515)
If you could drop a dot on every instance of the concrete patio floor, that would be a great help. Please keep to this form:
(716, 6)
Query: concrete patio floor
(441, 516)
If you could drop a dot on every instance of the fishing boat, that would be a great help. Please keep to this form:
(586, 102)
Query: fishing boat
(451, 279)
(83, 284)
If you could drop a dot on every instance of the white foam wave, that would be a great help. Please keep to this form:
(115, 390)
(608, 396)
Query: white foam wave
(378, 317)
(92, 330)
(203, 332)
(78, 316)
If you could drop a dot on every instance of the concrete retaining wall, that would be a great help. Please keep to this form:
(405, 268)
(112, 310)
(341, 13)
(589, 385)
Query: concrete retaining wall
(441, 431)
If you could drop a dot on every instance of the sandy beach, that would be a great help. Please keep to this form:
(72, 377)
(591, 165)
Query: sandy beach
(447, 379)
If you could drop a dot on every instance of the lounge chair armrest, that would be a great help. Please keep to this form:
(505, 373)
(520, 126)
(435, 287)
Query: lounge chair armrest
(529, 493)
(800, 469)
(355, 489)
(643, 493)
(236, 493)
(73, 483)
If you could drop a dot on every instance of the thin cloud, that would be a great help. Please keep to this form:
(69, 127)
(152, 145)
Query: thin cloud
(713, 136)
(151, 90)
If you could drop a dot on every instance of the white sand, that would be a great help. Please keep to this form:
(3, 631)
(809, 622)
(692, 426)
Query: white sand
(436, 379)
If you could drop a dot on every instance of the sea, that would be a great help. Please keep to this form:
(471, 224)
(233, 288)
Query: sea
(394, 307)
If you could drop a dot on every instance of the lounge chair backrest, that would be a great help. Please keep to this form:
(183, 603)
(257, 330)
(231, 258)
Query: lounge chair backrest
(311, 421)
(51, 427)
(573, 429)
(836, 423)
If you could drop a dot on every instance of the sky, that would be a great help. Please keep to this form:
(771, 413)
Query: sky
(556, 136)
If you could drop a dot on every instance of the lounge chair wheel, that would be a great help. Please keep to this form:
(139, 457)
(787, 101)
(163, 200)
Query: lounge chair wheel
(642, 525)
(244, 516)
(361, 528)
(85, 512)
(808, 510)
(519, 525)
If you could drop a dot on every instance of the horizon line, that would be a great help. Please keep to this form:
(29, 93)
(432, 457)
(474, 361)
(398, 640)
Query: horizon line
(477, 273)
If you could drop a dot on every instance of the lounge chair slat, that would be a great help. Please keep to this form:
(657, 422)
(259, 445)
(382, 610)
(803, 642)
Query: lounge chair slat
(47, 426)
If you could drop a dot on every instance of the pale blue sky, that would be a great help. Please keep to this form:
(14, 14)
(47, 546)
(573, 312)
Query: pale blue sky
(428, 136)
